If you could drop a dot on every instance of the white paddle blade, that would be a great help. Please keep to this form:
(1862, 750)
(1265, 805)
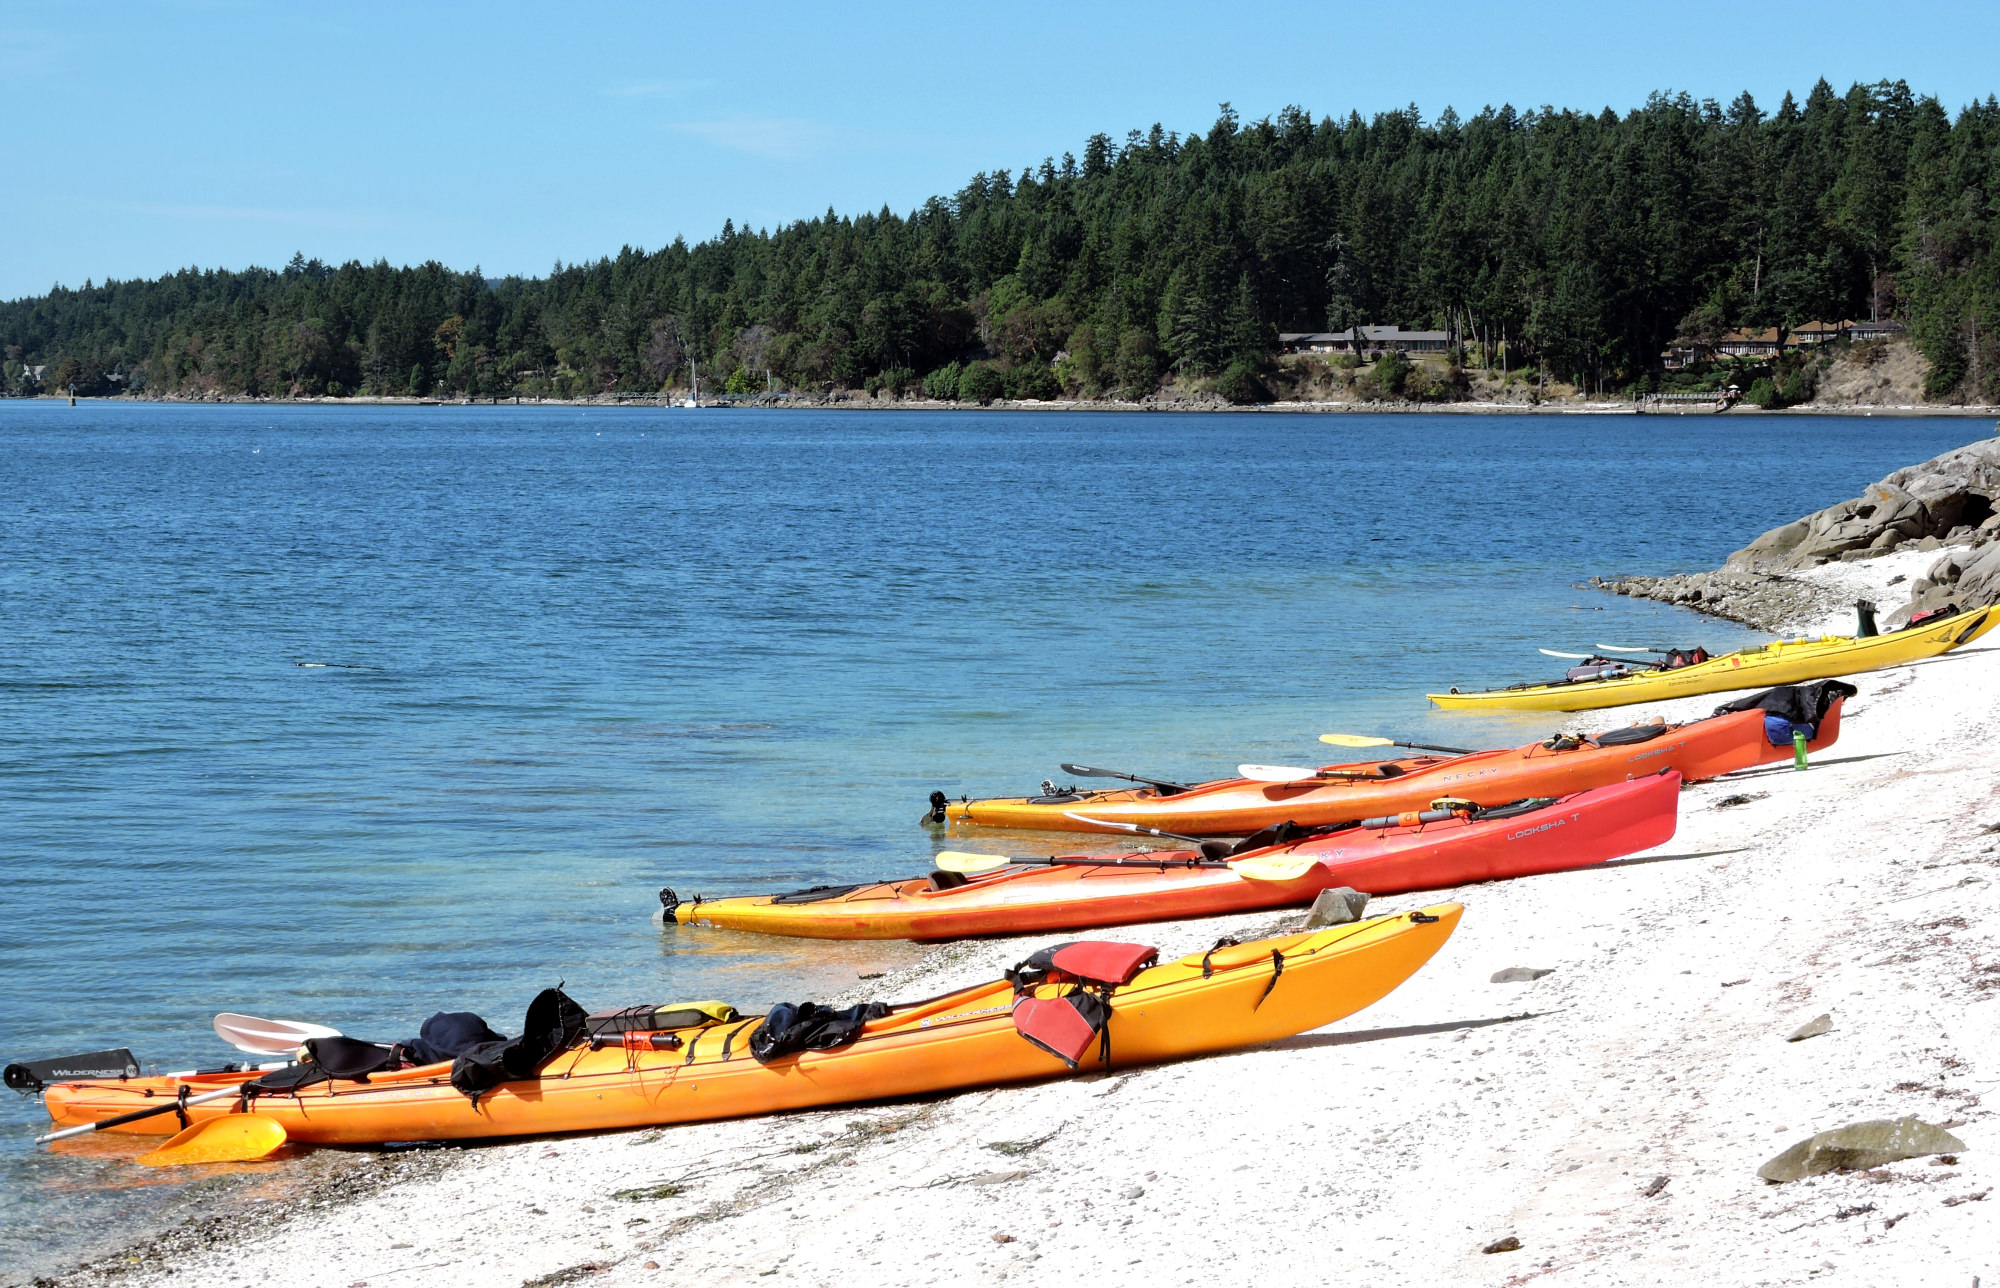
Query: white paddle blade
(1105, 822)
(1355, 740)
(1289, 867)
(1581, 657)
(1275, 773)
(968, 864)
(1627, 648)
(267, 1037)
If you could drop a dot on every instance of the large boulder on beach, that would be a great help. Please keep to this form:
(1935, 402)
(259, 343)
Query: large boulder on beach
(1950, 502)
(1945, 497)
(1968, 578)
(1860, 1145)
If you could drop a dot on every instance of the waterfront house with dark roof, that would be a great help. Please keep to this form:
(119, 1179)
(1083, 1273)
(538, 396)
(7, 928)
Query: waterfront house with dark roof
(1366, 340)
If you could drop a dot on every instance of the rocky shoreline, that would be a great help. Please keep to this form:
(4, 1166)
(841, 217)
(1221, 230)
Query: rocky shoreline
(1166, 401)
(1948, 507)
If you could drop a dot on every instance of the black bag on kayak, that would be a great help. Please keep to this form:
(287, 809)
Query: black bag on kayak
(328, 1060)
(1277, 834)
(554, 1024)
(656, 1019)
(808, 1026)
(1802, 704)
(447, 1035)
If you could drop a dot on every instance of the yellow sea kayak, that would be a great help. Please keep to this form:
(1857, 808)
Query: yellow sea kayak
(1779, 662)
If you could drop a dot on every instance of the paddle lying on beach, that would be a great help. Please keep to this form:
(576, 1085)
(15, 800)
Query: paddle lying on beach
(1085, 771)
(1364, 740)
(232, 1138)
(268, 1037)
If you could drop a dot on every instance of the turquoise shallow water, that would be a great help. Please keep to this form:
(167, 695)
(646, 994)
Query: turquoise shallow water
(574, 654)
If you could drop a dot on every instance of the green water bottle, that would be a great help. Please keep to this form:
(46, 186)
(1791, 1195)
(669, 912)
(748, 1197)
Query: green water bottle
(1798, 749)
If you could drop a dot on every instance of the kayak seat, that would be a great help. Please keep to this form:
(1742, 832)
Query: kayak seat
(817, 894)
(942, 880)
(1631, 734)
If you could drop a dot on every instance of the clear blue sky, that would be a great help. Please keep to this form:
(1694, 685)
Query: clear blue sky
(145, 137)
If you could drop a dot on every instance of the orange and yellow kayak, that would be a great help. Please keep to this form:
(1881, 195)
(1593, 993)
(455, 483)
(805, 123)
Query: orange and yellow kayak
(1079, 891)
(1234, 997)
(1698, 750)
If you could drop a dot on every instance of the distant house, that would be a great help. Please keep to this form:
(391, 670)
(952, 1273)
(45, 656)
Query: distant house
(1749, 344)
(1874, 331)
(1366, 340)
(1683, 353)
(1807, 334)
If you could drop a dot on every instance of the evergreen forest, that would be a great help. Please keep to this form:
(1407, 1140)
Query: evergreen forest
(1578, 243)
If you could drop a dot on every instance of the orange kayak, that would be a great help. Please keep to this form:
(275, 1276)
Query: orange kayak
(1580, 830)
(1698, 750)
(1234, 997)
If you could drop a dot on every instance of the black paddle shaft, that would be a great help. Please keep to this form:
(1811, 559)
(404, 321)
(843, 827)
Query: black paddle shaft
(1449, 751)
(1164, 784)
(178, 1105)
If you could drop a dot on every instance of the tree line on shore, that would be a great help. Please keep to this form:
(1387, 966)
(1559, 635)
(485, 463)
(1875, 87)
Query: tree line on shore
(1579, 243)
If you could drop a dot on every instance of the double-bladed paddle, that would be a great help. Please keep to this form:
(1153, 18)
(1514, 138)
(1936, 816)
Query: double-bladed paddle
(268, 1037)
(1133, 827)
(232, 1138)
(164, 1107)
(1275, 773)
(972, 865)
(1274, 868)
(1363, 740)
(1631, 648)
(1086, 771)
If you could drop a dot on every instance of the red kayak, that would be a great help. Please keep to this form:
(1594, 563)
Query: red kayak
(1164, 885)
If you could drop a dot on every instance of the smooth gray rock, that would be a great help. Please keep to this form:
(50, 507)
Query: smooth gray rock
(1336, 907)
(1521, 974)
(1508, 1244)
(1812, 1028)
(1952, 497)
(1860, 1145)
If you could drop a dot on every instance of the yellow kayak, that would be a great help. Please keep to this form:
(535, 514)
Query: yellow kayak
(1779, 662)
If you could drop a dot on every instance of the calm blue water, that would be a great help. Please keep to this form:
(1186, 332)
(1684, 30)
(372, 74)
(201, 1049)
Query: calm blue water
(572, 655)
